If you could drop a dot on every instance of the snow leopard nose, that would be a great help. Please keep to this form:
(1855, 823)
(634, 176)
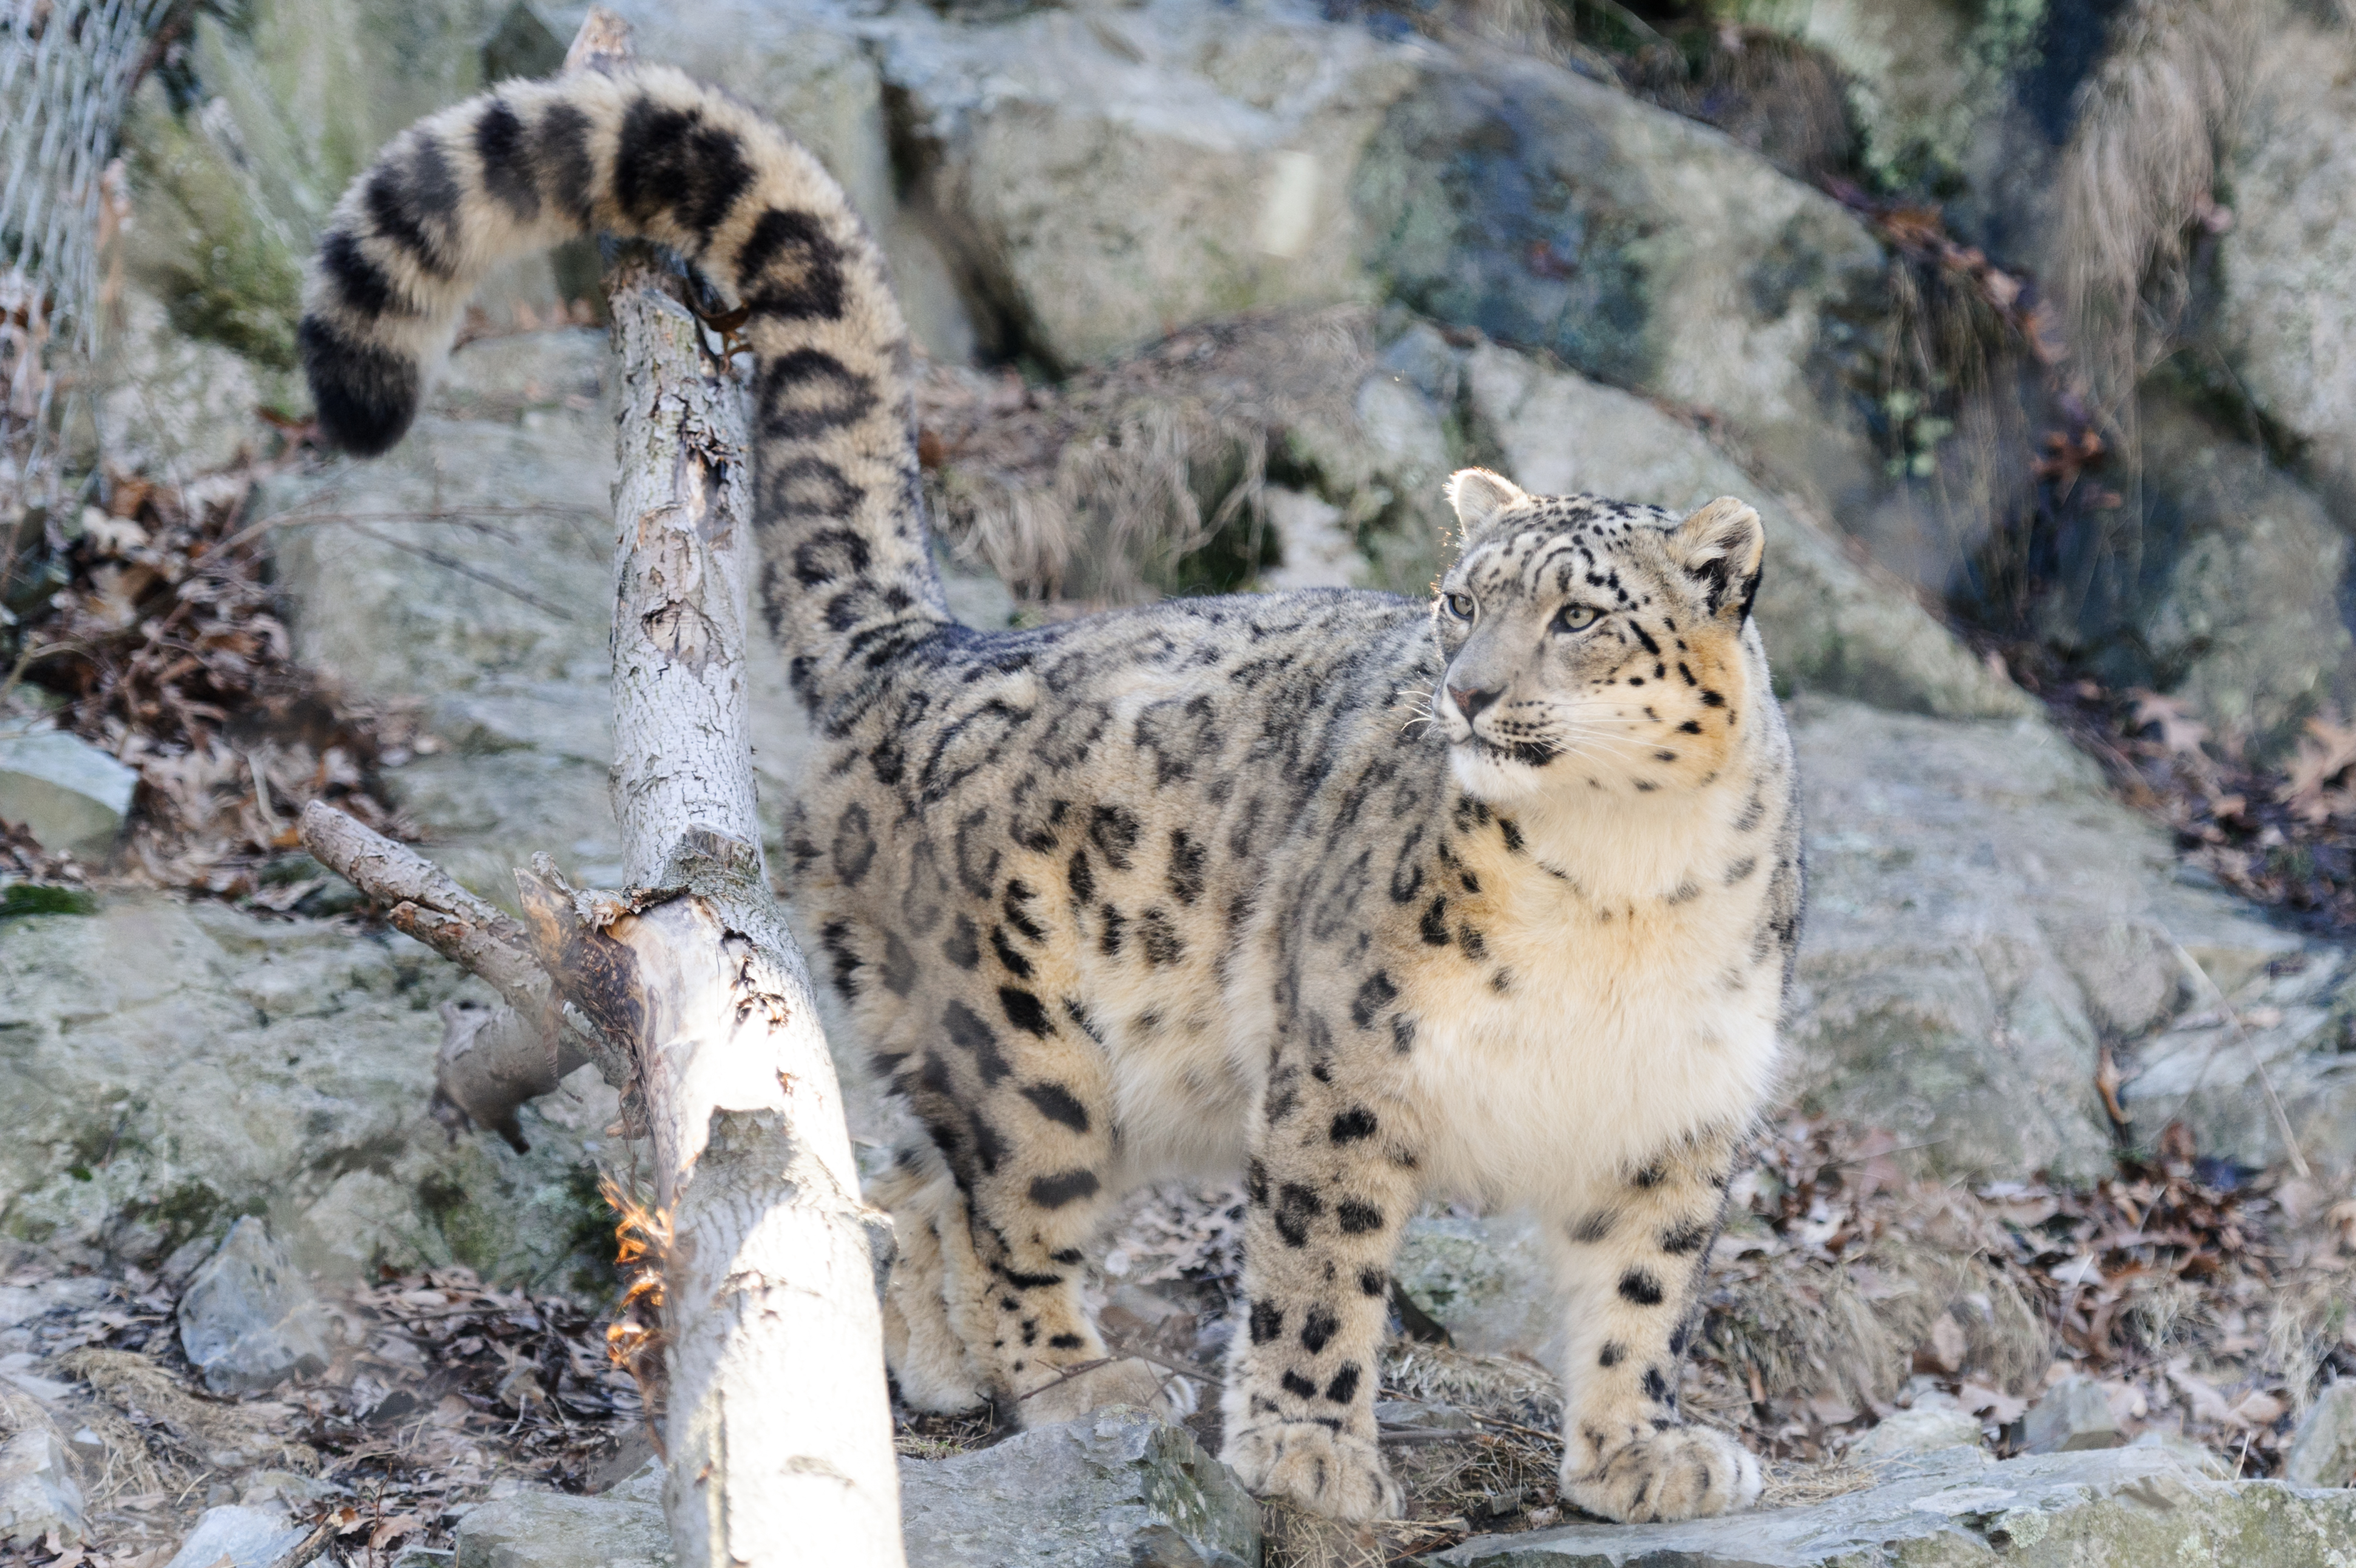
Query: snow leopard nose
(1469, 704)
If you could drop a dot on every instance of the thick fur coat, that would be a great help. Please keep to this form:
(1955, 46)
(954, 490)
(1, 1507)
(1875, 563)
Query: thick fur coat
(1369, 899)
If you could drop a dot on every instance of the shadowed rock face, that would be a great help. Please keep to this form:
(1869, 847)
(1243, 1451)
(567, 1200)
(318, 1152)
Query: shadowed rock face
(2227, 588)
(1554, 213)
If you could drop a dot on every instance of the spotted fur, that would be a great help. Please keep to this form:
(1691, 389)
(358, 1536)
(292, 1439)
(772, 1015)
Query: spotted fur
(1369, 899)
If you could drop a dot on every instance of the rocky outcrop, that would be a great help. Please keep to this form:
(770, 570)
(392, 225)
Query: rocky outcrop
(176, 1066)
(2224, 589)
(1556, 213)
(1982, 915)
(1957, 1507)
(1104, 176)
(470, 568)
(2286, 318)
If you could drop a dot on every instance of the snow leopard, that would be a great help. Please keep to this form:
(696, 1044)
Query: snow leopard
(1371, 900)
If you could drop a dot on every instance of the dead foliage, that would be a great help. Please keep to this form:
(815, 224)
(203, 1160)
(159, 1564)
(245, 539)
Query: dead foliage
(444, 1393)
(2192, 1291)
(634, 1339)
(164, 646)
(2139, 177)
(2281, 837)
(1108, 487)
(36, 881)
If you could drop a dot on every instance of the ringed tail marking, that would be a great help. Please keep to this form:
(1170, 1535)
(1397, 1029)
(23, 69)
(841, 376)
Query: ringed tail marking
(648, 152)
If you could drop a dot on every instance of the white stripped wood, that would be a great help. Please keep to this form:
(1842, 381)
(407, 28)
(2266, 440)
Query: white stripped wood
(778, 1424)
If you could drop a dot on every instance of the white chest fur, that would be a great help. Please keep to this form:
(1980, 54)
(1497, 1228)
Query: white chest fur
(1633, 1009)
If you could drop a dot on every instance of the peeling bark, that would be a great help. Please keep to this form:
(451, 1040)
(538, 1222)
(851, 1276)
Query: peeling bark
(689, 991)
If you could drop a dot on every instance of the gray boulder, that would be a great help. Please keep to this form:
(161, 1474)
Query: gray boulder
(1958, 1507)
(184, 404)
(2287, 319)
(247, 1538)
(38, 1495)
(2071, 1415)
(249, 1319)
(1644, 249)
(175, 1065)
(2275, 1042)
(553, 1530)
(2323, 1450)
(1982, 913)
(1100, 176)
(1110, 1490)
(1930, 1426)
(1116, 1489)
(66, 791)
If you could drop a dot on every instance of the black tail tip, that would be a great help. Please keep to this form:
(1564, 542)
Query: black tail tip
(365, 396)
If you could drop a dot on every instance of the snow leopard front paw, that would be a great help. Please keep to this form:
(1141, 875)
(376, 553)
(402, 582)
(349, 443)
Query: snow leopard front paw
(1050, 1397)
(1326, 1472)
(1676, 1472)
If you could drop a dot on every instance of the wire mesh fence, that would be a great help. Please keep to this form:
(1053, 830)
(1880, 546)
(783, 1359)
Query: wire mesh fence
(67, 71)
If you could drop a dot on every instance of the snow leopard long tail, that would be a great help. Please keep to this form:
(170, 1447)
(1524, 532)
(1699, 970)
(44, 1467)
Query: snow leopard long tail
(648, 152)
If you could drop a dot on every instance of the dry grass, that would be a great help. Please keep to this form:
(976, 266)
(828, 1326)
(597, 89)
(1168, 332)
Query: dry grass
(2138, 179)
(1100, 489)
(441, 1393)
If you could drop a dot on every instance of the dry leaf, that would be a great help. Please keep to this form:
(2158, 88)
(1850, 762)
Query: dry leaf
(2324, 752)
(2179, 731)
(1944, 1350)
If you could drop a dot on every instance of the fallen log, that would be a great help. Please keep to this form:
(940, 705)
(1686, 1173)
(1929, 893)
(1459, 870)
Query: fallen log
(689, 991)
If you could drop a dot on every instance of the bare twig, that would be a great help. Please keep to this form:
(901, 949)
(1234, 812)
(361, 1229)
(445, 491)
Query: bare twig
(2192, 967)
(464, 929)
(464, 569)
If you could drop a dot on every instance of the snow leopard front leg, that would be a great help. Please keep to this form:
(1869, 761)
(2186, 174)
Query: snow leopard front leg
(1330, 1182)
(1631, 1261)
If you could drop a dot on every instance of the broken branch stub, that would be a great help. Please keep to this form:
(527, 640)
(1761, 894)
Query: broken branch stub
(492, 1060)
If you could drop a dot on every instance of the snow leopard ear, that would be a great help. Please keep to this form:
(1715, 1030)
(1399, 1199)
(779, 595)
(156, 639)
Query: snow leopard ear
(1479, 496)
(1721, 544)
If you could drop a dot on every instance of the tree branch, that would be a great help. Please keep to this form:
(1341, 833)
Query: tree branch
(689, 992)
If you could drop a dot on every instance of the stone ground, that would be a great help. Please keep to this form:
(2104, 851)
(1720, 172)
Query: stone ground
(1988, 926)
(2007, 977)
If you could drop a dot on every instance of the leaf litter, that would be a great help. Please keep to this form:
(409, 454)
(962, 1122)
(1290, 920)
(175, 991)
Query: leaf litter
(444, 1393)
(162, 643)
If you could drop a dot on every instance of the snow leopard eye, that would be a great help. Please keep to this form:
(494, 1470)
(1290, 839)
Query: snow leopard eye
(1577, 618)
(1460, 606)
